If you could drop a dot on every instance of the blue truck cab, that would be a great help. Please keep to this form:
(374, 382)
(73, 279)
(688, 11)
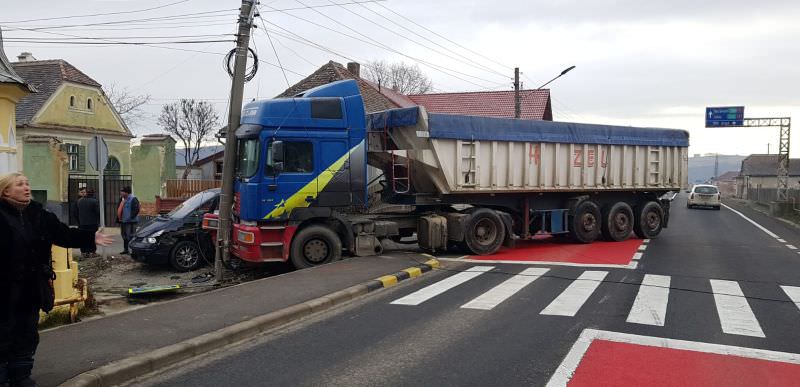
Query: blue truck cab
(297, 159)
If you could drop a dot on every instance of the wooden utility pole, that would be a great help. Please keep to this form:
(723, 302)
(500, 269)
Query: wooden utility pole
(517, 110)
(246, 14)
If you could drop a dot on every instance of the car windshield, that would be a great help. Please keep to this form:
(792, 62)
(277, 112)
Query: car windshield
(705, 190)
(203, 200)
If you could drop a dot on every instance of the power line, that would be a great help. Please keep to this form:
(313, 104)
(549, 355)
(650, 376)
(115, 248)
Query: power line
(118, 43)
(275, 51)
(98, 14)
(190, 16)
(434, 32)
(323, 6)
(293, 51)
(126, 37)
(471, 62)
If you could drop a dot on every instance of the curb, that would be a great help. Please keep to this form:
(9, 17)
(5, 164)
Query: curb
(124, 370)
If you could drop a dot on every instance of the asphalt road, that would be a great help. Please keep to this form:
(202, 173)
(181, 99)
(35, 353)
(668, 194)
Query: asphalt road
(386, 340)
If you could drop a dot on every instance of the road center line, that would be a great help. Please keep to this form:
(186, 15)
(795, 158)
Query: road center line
(650, 305)
(764, 229)
(442, 286)
(508, 288)
(575, 295)
(735, 314)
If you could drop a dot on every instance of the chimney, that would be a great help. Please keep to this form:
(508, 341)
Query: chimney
(26, 57)
(354, 68)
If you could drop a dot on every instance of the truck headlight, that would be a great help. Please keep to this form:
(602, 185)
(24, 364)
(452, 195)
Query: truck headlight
(246, 237)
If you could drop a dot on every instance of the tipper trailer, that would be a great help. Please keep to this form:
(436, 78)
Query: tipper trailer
(302, 191)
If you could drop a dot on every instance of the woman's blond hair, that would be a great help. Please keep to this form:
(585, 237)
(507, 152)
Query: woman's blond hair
(6, 181)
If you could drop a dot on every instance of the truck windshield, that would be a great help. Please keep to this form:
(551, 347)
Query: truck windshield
(247, 162)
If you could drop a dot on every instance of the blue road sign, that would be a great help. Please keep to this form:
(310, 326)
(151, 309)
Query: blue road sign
(724, 116)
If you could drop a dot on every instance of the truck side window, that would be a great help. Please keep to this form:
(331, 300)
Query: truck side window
(299, 157)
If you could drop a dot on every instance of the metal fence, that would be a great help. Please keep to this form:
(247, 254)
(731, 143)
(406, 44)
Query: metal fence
(112, 185)
(179, 188)
(767, 195)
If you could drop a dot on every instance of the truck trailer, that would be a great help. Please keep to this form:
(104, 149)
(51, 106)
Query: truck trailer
(304, 191)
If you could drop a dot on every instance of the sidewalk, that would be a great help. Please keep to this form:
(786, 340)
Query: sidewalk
(67, 351)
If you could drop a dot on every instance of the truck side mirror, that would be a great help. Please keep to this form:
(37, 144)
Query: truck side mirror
(277, 152)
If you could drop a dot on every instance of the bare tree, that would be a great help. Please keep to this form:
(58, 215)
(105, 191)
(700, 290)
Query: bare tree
(193, 122)
(398, 76)
(126, 103)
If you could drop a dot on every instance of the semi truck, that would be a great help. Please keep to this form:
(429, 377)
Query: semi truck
(304, 192)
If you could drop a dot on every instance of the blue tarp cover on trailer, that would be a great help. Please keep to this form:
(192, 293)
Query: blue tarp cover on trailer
(504, 129)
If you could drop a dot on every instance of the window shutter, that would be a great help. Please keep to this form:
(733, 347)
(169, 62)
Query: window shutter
(81, 158)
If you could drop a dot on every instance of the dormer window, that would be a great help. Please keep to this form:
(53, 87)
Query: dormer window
(72, 101)
(89, 104)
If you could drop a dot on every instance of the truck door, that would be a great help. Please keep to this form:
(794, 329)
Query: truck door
(293, 185)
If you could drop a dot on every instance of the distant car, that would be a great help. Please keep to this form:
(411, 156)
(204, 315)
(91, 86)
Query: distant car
(704, 195)
(177, 238)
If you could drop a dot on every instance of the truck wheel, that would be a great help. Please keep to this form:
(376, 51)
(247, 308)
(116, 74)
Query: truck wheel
(649, 219)
(314, 246)
(484, 232)
(617, 221)
(185, 256)
(585, 222)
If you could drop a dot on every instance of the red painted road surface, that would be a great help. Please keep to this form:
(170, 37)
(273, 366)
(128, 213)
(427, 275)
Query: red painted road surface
(553, 250)
(608, 363)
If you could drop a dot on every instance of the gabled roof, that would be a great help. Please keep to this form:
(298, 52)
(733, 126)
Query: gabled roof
(7, 73)
(204, 152)
(730, 175)
(534, 105)
(46, 76)
(767, 165)
(333, 71)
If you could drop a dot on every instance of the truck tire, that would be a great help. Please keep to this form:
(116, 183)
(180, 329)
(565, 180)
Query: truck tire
(649, 219)
(315, 245)
(617, 221)
(484, 232)
(584, 225)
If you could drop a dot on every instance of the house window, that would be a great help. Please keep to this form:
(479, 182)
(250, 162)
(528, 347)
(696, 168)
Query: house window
(89, 104)
(218, 170)
(112, 167)
(72, 101)
(75, 155)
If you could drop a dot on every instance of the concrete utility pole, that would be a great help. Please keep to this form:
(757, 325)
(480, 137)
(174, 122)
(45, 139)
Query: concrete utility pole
(246, 14)
(517, 112)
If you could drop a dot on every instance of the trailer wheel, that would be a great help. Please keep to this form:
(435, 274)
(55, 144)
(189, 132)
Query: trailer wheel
(649, 219)
(617, 221)
(484, 232)
(585, 222)
(314, 246)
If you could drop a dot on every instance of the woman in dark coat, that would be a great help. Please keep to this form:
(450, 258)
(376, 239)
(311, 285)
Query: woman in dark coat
(27, 233)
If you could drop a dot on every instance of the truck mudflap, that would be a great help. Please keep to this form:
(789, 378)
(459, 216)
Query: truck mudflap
(665, 203)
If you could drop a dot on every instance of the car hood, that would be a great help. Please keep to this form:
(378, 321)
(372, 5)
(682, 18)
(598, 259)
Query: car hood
(158, 224)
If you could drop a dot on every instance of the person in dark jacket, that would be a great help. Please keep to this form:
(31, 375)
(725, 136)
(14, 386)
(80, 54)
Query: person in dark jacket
(73, 207)
(27, 233)
(88, 217)
(128, 215)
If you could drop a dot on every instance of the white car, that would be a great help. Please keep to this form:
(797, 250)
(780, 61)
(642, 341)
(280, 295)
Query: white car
(704, 195)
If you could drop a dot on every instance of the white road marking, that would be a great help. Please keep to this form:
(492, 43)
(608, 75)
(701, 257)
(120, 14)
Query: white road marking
(575, 295)
(643, 247)
(650, 305)
(637, 256)
(793, 292)
(791, 247)
(646, 241)
(567, 368)
(442, 286)
(781, 240)
(508, 288)
(735, 314)
(762, 228)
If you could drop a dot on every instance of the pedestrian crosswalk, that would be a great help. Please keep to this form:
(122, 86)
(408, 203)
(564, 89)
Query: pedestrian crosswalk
(649, 307)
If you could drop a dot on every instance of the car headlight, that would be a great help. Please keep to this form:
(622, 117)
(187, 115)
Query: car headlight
(151, 240)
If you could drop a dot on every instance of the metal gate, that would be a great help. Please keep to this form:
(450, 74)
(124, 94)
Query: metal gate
(111, 186)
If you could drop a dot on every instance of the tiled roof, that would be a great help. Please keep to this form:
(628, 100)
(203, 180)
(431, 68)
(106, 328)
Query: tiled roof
(535, 104)
(46, 76)
(7, 73)
(331, 72)
(767, 165)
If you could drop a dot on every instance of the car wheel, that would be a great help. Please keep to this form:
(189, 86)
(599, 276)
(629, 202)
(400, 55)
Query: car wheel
(648, 220)
(315, 245)
(716, 208)
(584, 226)
(484, 232)
(186, 256)
(617, 221)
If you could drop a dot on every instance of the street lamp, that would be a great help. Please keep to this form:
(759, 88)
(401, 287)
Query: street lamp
(518, 98)
(566, 70)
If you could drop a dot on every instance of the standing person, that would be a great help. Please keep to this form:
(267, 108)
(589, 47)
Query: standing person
(73, 207)
(128, 215)
(88, 217)
(27, 234)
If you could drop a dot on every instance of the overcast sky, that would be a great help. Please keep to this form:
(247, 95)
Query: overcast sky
(640, 63)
